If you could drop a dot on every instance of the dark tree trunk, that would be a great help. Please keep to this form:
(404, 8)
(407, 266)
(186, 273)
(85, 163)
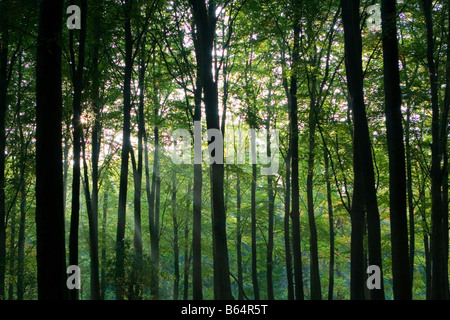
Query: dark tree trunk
(154, 218)
(20, 288)
(77, 79)
(255, 283)
(103, 269)
(271, 199)
(12, 255)
(239, 237)
(93, 229)
(138, 259)
(364, 198)
(186, 249)
(316, 292)
(197, 288)
(126, 147)
(295, 213)
(176, 249)
(3, 106)
(331, 223)
(51, 264)
(287, 238)
(437, 240)
(445, 152)
(397, 172)
(409, 188)
(205, 21)
(96, 138)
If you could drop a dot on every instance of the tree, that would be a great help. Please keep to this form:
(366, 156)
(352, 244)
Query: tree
(126, 148)
(205, 22)
(3, 106)
(397, 171)
(77, 68)
(293, 127)
(364, 195)
(49, 184)
(438, 234)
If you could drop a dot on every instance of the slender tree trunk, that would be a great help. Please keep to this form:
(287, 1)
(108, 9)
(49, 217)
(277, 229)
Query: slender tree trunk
(316, 292)
(409, 188)
(270, 236)
(239, 236)
(176, 249)
(437, 241)
(96, 139)
(93, 229)
(331, 223)
(103, 265)
(12, 253)
(205, 21)
(397, 172)
(4, 31)
(154, 219)
(349, 10)
(77, 71)
(126, 147)
(287, 238)
(186, 250)
(20, 288)
(255, 283)
(295, 214)
(138, 261)
(51, 264)
(428, 262)
(197, 288)
(364, 198)
(445, 152)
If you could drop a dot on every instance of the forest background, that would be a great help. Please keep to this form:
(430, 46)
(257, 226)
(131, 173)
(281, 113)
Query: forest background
(358, 93)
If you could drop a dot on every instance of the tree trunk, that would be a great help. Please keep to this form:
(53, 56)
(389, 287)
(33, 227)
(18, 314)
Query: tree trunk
(197, 288)
(96, 139)
(364, 198)
(239, 237)
(437, 240)
(397, 172)
(176, 249)
(331, 223)
(20, 288)
(295, 213)
(287, 238)
(51, 263)
(409, 188)
(12, 255)
(253, 219)
(271, 199)
(445, 152)
(93, 229)
(3, 106)
(126, 147)
(205, 21)
(154, 219)
(316, 292)
(77, 80)
(186, 249)
(103, 271)
(138, 259)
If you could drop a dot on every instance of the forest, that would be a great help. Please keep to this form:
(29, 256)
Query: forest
(224, 149)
